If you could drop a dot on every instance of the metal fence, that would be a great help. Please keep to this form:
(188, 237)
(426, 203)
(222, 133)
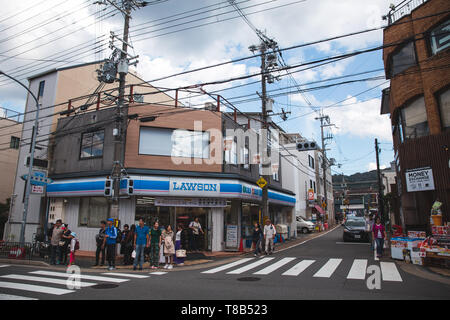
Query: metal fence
(403, 9)
(14, 250)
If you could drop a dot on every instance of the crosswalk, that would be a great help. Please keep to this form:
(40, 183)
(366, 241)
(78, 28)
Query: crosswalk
(356, 269)
(16, 286)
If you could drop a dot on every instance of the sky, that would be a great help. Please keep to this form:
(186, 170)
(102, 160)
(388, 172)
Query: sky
(178, 35)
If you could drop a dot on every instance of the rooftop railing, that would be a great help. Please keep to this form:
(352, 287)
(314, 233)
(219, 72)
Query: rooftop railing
(404, 8)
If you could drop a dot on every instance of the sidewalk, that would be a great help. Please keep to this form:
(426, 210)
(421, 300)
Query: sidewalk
(86, 259)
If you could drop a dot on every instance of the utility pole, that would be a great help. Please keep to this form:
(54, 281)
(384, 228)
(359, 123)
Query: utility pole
(380, 186)
(322, 119)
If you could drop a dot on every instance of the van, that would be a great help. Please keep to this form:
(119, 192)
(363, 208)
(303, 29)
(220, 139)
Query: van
(304, 226)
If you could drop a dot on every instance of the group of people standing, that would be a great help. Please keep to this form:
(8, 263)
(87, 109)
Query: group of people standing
(140, 241)
(62, 241)
(264, 236)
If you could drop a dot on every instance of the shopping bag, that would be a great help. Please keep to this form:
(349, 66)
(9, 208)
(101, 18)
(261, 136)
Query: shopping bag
(180, 253)
(133, 254)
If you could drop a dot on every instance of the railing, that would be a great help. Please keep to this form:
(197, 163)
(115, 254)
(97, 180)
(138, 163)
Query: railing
(14, 250)
(403, 9)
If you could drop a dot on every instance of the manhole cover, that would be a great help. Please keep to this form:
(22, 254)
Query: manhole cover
(105, 286)
(249, 279)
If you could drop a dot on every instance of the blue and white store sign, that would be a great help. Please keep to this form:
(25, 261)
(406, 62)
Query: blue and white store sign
(171, 187)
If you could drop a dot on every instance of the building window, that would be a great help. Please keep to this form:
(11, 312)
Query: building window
(403, 59)
(440, 37)
(41, 89)
(314, 183)
(176, 143)
(92, 211)
(231, 151)
(414, 119)
(92, 144)
(311, 161)
(14, 143)
(444, 108)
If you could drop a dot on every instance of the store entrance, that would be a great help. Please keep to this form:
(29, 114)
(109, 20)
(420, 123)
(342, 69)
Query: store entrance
(185, 215)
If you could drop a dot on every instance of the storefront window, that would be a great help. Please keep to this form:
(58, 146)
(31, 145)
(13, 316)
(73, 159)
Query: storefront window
(250, 216)
(92, 211)
(146, 209)
(231, 216)
(444, 108)
(414, 119)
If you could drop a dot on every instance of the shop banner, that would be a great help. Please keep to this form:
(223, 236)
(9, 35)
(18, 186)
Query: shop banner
(194, 187)
(188, 202)
(419, 179)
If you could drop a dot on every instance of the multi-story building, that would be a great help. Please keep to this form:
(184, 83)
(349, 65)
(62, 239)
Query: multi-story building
(60, 91)
(416, 59)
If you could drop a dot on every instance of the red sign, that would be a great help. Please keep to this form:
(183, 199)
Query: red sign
(16, 253)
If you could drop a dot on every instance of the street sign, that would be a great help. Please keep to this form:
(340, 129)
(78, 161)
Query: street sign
(37, 189)
(420, 179)
(261, 182)
(310, 194)
(324, 205)
(38, 178)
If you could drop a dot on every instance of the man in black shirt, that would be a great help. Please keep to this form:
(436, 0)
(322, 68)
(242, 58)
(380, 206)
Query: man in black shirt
(99, 238)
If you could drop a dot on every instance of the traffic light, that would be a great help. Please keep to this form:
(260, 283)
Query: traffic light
(130, 187)
(306, 145)
(108, 188)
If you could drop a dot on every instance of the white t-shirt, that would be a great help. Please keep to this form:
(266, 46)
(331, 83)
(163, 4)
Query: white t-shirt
(196, 226)
(178, 236)
(269, 231)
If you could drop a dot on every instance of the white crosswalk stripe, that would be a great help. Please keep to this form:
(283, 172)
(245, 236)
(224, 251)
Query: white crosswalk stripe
(228, 266)
(44, 279)
(14, 297)
(34, 288)
(250, 266)
(328, 269)
(158, 273)
(389, 272)
(4, 265)
(275, 266)
(358, 270)
(81, 276)
(298, 268)
(129, 275)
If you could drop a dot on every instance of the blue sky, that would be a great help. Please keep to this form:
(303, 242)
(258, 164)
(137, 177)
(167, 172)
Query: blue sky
(164, 52)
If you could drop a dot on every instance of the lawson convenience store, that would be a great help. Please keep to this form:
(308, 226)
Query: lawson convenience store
(226, 208)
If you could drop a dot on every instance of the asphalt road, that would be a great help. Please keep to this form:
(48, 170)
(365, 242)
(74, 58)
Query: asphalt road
(321, 268)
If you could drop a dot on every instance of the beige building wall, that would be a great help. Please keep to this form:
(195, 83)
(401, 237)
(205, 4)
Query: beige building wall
(8, 156)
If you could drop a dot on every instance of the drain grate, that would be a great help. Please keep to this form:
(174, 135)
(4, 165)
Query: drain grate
(105, 286)
(249, 279)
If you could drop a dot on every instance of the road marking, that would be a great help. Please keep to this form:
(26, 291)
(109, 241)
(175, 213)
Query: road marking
(275, 266)
(228, 266)
(43, 279)
(33, 288)
(139, 276)
(375, 251)
(250, 266)
(4, 265)
(358, 269)
(299, 268)
(158, 273)
(327, 270)
(81, 276)
(365, 243)
(390, 272)
(13, 297)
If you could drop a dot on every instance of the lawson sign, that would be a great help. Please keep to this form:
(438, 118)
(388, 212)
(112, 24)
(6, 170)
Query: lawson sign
(193, 187)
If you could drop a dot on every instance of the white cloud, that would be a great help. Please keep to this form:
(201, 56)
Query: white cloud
(373, 166)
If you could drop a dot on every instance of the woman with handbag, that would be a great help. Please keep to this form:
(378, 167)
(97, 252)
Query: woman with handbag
(169, 247)
(180, 254)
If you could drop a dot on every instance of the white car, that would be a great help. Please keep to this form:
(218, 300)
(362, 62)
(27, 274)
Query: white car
(304, 226)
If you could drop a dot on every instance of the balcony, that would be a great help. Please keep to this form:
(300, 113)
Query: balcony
(404, 8)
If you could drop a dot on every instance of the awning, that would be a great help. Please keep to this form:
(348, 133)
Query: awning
(319, 208)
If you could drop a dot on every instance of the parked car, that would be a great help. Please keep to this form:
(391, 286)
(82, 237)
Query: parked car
(355, 229)
(304, 226)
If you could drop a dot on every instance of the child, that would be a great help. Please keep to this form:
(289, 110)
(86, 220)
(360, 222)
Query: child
(74, 245)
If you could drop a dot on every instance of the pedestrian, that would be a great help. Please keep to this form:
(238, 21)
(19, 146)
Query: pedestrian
(110, 242)
(54, 242)
(65, 241)
(99, 239)
(169, 247)
(140, 242)
(257, 238)
(129, 244)
(269, 236)
(179, 241)
(74, 246)
(155, 244)
(125, 244)
(379, 234)
(196, 228)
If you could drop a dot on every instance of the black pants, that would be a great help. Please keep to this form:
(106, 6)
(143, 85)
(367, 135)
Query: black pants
(196, 241)
(127, 251)
(97, 254)
(111, 254)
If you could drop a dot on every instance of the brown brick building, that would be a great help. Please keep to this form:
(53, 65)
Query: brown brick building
(417, 60)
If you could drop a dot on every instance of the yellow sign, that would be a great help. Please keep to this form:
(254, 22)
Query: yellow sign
(261, 182)
(324, 205)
